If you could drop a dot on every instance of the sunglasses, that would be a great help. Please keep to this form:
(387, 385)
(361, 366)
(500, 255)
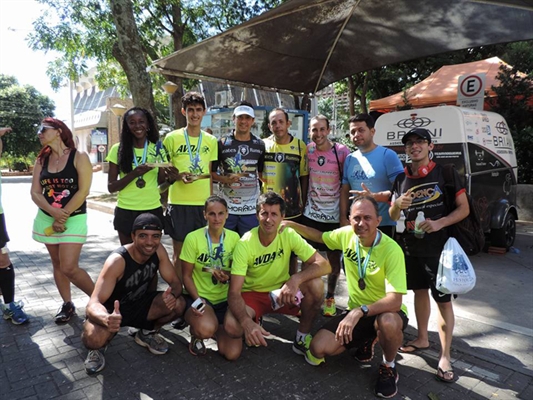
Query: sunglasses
(42, 128)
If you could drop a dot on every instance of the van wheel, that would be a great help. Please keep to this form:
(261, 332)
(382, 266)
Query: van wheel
(505, 236)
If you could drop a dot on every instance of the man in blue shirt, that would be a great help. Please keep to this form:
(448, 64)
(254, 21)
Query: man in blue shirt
(369, 170)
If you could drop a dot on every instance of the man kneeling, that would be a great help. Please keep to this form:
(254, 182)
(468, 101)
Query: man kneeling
(260, 265)
(124, 294)
(375, 275)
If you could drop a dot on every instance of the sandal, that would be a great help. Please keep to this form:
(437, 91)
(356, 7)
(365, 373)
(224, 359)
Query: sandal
(445, 376)
(411, 348)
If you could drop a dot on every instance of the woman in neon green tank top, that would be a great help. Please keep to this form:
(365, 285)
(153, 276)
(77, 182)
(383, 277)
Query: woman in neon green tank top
(129, 174)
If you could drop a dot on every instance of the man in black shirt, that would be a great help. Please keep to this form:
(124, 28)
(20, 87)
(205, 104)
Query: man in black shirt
(125, 296)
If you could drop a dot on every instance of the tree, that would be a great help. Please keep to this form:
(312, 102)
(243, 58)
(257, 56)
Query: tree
(133, 33)
(514, 102)
(23, 108)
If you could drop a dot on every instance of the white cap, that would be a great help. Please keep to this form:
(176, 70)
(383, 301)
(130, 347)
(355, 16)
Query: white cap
(243, 110)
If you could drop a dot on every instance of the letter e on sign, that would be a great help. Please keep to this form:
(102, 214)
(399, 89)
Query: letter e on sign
(471, 90)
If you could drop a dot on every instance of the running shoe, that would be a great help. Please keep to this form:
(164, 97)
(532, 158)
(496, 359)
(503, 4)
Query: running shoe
(300, 347)
(153, 341)
(330, 310)
(197, 347)
(65, 313)
(95, 362)
(14, 311)
(387, 384)
(365, 353)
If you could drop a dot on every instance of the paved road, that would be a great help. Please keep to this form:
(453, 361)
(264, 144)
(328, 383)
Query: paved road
(492, 345)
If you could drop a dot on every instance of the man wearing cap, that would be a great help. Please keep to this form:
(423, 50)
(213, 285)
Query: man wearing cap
(370, 170)
(420, 189)
(239, 166)
(123, 295)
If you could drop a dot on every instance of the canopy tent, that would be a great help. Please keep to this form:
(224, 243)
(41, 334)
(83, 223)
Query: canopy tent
(441, 86)
(304, 45)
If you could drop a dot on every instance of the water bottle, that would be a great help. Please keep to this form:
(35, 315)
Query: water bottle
(419, 233)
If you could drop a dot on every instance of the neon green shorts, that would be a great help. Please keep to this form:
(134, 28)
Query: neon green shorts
(76, 231)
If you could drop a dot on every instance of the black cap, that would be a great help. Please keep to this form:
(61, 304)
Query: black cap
(147, 221)
(420, 132)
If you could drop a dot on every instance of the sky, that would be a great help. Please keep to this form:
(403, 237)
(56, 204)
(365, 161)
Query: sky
(17, 59)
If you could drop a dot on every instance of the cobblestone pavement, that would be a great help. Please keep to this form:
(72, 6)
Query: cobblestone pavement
(42, 360)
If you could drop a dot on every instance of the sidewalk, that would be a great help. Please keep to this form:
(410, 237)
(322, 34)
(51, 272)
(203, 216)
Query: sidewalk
(41, 360)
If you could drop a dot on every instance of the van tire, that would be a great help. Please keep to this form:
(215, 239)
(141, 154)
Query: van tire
(505, 236)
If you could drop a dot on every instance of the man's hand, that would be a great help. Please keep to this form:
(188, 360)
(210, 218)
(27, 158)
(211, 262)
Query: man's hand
(114, 319)
(288, 292)
(343, 335)
(404, 201)
(254, 334)
(430, 226)
(169, 299)
(364, 192)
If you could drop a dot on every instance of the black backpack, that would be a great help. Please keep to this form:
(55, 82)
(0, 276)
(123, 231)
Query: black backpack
(468, 232)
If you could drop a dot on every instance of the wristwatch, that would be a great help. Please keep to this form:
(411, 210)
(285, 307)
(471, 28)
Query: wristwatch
(364, 309)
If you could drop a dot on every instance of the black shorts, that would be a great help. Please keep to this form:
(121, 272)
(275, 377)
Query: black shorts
(124, 219)
(135, 313)
(320, 226)
(219, 308)
(363, 331)
(4, 237)
(182, 220)
(422, 274)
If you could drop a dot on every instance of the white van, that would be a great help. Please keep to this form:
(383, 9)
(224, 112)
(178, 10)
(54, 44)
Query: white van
(480, 146)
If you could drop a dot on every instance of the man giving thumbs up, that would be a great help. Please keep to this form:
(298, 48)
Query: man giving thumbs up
(123, 295)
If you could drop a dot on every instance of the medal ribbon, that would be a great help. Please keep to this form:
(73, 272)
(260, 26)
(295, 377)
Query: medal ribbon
(189, 146)
(362, 269)
(145, 151)
(219, 250)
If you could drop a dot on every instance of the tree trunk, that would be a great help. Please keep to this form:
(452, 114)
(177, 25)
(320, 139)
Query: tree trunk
(178, 29)
(129, 53)
(351, 95)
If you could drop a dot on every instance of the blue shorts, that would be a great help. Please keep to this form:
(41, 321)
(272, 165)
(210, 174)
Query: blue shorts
(241, 223)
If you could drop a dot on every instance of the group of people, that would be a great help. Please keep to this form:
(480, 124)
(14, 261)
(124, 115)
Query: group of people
(235, 253)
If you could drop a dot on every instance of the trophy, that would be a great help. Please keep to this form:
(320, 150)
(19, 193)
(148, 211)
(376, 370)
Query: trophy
(161, 157)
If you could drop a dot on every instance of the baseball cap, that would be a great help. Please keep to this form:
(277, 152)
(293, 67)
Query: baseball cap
(147, 221)
(243, 110)
(420, 132)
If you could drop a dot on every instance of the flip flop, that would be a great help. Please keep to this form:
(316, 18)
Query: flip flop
(441, 375)
(404, 347)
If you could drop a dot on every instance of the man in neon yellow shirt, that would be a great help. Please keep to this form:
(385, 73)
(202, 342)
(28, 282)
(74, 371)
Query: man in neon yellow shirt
(191, 151)
(375, 274)
(260, 265)
(286, 169)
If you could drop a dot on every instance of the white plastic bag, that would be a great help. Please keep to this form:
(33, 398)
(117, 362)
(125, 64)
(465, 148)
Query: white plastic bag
(455, 274)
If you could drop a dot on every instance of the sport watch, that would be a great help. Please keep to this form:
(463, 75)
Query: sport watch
(364, 309)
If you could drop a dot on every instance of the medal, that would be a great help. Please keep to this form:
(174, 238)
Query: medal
(140, 182)
(362, 268)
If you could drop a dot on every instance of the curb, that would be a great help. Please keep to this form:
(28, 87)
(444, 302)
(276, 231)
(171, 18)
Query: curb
(98, 206)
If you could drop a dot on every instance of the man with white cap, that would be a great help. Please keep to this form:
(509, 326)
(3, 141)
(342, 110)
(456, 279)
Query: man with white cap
(239, 166)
